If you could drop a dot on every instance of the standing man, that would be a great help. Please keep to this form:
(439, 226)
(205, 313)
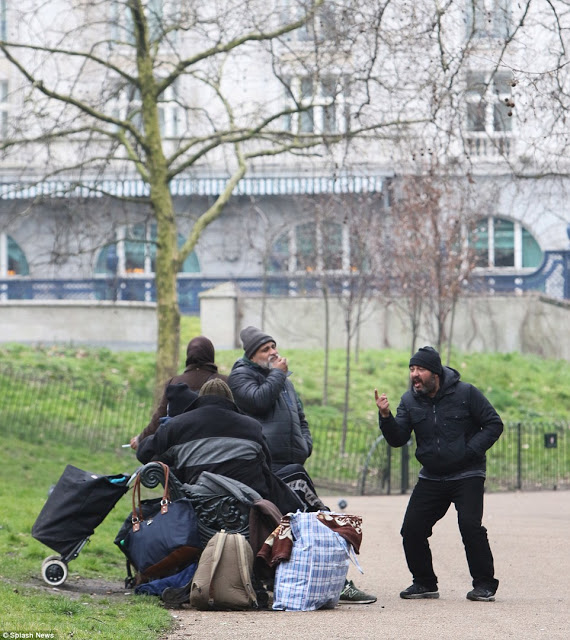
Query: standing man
(261, 388)
(454, 425)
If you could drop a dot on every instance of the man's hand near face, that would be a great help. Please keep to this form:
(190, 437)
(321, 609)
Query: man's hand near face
(279, 363)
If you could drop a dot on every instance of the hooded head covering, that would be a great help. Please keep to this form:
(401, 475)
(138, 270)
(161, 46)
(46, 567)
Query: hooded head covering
(428, 358)
(252, 339)
(180, 397)
(200, 351)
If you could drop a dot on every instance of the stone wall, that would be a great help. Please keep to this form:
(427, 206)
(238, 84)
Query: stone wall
(121, 325)
(527, 324)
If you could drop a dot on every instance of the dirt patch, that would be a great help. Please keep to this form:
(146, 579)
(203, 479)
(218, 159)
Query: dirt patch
(76, 587)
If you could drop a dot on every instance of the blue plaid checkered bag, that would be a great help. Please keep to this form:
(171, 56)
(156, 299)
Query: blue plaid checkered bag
(315, 573)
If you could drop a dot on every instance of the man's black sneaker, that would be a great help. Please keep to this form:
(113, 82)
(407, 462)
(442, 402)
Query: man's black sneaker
(418, 591)
(351, 595)
(481, 594)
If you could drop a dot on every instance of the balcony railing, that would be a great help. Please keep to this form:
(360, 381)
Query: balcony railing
(484, 145)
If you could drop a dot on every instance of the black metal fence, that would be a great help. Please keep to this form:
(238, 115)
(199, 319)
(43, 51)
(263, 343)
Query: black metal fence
(529, 455)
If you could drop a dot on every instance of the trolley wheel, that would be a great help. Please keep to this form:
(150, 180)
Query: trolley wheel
(49, 559)
(54, 571)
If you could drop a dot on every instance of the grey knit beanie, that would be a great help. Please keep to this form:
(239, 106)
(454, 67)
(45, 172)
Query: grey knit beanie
(428, 358)
(252, 339)
(216, 387)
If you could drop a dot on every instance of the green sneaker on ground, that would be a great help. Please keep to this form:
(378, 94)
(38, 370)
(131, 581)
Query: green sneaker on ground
(351, 595)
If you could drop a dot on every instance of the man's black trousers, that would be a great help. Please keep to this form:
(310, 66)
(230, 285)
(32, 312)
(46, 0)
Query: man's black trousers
(428, 503)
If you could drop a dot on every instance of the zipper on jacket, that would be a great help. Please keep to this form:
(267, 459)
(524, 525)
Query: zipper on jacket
(436, 429)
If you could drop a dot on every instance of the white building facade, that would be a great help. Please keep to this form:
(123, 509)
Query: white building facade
(345, 106)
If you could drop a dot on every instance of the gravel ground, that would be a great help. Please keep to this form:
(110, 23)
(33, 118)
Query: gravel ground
(529, 534)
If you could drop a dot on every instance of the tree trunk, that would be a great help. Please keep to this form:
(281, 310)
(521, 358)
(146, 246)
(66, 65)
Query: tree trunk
(168, 314)
(325, 399)
(346, 387)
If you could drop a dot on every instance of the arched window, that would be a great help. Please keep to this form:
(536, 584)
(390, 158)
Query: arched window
(12, 259)
(500, 243)
(135, 253)
(311, 247)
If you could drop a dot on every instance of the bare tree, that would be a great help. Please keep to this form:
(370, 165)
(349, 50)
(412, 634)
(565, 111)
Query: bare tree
(430, 259)
(346, 275)
(99, 76)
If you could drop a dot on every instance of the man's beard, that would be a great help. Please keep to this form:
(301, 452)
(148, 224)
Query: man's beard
(268, 364)
(428, 387)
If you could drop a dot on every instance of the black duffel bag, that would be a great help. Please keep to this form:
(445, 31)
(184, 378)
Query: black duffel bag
(160, 537)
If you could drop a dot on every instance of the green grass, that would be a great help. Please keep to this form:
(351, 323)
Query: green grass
(24, 611)
(519, 386)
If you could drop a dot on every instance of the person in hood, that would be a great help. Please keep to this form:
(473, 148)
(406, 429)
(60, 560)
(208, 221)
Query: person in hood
(454, 425)
(212, 434)
(200, 367)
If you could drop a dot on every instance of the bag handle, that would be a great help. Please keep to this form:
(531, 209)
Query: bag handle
(137, 515)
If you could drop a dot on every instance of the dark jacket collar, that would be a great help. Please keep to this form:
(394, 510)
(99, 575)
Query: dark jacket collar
(210, 400)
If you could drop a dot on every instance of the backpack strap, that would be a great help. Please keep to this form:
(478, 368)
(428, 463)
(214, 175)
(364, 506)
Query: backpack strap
(244, 568)
(220, 542)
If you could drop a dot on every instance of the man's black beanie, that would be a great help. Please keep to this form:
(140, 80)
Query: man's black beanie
(428, 358)
(252, 339)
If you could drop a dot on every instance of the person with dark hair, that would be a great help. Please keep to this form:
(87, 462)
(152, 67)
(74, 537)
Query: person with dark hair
(454, 425)
(200, 367)
(262, 389)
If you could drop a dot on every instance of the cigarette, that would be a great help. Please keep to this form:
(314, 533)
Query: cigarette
(125, 446)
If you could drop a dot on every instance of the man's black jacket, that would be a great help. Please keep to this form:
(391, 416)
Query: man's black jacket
(453, 430)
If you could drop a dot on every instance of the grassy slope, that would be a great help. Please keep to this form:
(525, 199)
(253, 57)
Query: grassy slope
(25, 477)
(519, 386)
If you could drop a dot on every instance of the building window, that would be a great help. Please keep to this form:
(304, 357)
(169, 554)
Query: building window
(169, 112)
(501, 243)
(322, 105)
(3, 21)
(320, 26)
(134, 253)
(489, 111)
(12, 259)
(312, 248)
(488, 19)
(128, 107)
(4, 109)
(121, 21)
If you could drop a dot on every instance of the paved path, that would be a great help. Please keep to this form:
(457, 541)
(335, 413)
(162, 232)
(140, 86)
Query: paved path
(530, 538)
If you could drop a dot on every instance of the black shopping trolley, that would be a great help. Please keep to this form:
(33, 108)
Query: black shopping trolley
(78, 503)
